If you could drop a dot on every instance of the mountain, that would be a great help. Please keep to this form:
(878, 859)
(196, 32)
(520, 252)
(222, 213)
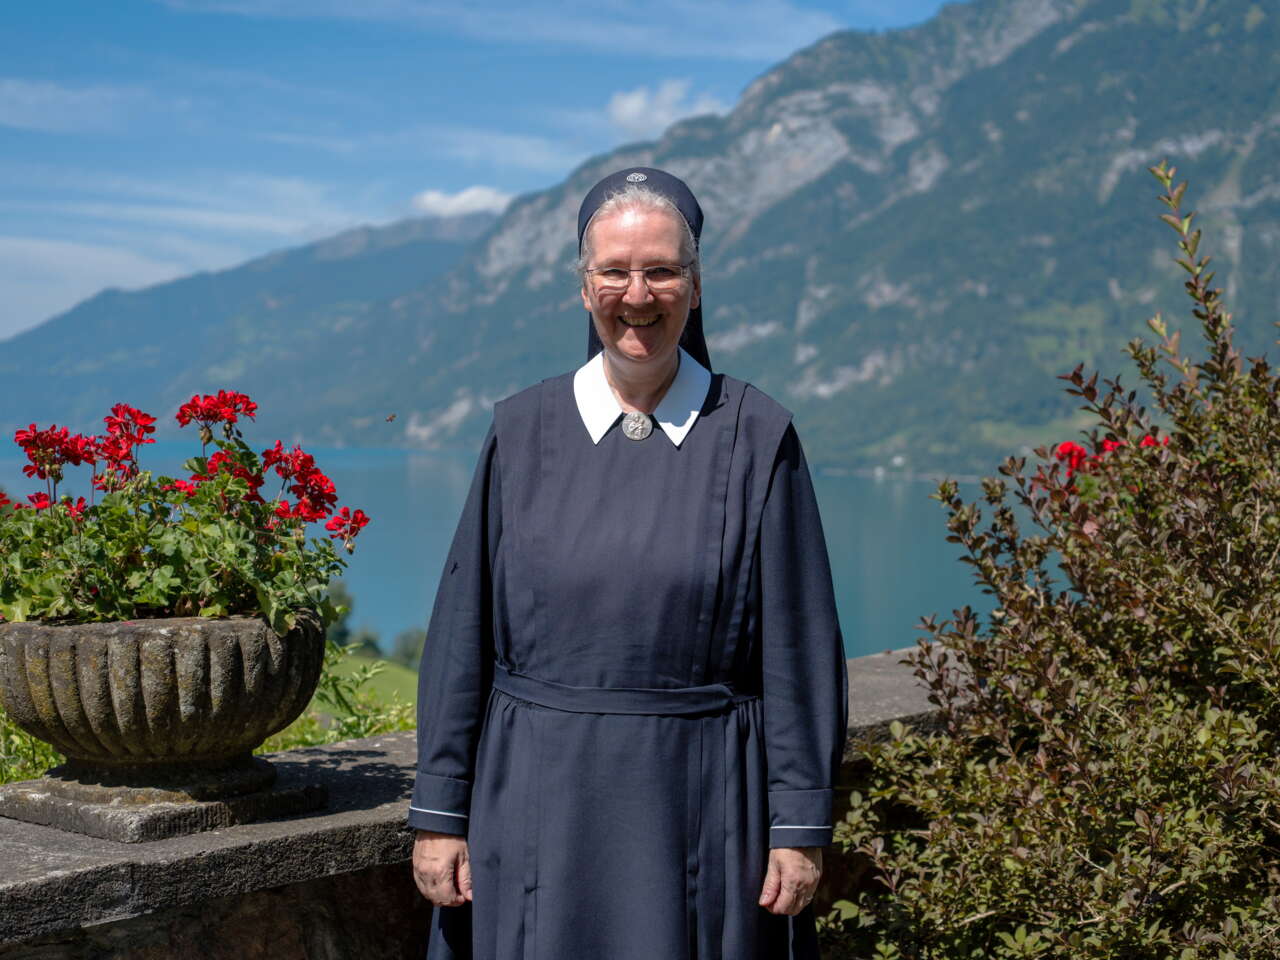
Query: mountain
(908, 235)
(278, 327)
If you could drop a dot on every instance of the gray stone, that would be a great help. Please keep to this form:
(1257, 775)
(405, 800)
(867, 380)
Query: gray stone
(78, 897)
(157, 719)
(883, 689)
(54, 882)
(202, 800)
(370, 914)
(184, 691)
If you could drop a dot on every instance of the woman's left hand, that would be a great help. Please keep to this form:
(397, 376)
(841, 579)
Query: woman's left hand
(791, 879)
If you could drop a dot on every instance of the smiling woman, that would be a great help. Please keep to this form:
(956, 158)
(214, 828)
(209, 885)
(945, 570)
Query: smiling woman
(640, 283)
(632, 696)
(644, 233)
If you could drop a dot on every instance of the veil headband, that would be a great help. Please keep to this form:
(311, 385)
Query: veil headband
(675, 190)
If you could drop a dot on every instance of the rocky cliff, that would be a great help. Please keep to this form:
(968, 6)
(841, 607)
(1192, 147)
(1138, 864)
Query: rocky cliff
(908, 236)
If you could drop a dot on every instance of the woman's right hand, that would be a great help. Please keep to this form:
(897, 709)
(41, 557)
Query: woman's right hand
(442, 868)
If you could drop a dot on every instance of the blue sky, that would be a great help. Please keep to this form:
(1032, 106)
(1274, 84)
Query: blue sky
(141, 140)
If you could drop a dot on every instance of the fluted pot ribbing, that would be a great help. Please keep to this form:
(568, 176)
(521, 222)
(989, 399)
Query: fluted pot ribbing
(185, 691)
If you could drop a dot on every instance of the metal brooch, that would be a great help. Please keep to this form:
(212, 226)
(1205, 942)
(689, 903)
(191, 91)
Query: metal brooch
(636, 177)
(637, 425)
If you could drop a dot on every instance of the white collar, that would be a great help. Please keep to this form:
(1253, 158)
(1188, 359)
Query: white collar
(675, 414)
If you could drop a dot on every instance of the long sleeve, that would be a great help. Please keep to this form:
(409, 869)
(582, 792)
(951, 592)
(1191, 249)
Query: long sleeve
(802, 657)
(456, 671)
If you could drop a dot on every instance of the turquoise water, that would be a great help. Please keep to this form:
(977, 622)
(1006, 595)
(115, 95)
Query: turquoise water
(890, 560)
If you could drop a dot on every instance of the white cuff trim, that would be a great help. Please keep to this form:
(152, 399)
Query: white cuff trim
(442, 813)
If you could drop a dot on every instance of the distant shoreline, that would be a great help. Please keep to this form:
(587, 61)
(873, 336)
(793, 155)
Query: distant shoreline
(896, 473)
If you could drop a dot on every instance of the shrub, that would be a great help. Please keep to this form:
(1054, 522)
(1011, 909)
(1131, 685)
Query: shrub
(407, 648)
(1103, 783)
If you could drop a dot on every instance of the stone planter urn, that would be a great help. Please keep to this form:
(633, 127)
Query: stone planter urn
(158, 720)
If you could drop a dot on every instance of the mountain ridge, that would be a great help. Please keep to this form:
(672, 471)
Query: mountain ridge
(908, 235)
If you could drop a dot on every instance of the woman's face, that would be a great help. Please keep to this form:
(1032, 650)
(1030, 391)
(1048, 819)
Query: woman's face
(639, 325)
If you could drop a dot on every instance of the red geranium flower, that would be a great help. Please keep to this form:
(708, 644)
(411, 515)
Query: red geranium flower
(309, 511)
(317, 490)
(223, 462)
(303, 510)
(49, 449)
(346, 523)
(39, 501)
(78, 449)
(223, 407)
(116, 451)
(76, 509)
(288, 463)
(183, 486)
(126, 421)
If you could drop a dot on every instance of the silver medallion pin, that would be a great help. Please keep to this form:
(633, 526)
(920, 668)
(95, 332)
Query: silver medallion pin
(637, 177)
(637, 425)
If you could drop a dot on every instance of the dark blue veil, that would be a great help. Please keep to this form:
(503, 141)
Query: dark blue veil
(674, 189)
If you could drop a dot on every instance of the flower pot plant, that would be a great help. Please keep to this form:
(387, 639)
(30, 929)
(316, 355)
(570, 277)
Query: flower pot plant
(160, 630)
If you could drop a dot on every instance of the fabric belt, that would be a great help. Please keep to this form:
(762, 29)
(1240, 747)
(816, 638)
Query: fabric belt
(679, 701)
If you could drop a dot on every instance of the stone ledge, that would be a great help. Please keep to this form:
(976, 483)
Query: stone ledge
(55, 881)
(881, 690)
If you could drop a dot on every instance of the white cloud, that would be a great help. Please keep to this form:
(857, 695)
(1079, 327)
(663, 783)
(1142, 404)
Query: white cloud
(52, 108)
(643, 113)
(130, 232)
(763, 30)
(887, 14)
(501, 149)
(342, 146)
(42, 277)
(200, 218)
(471, 200)
(476, 145)
(280, 209)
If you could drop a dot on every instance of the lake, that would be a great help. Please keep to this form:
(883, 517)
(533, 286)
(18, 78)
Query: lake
(889, 556)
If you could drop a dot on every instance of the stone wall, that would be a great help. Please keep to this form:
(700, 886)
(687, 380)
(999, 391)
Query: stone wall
(374, 913)
(325, 886)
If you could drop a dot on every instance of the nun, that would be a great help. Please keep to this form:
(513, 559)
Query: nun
(632, 698)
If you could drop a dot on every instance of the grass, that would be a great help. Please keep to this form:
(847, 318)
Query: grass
(22, 756)
(394, 680)
(351, 703)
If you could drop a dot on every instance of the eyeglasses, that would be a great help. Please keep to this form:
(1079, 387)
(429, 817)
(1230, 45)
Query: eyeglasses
(659, 277)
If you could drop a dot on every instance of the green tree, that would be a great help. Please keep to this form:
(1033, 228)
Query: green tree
(363, 641)
(407, 649)
(338, 632)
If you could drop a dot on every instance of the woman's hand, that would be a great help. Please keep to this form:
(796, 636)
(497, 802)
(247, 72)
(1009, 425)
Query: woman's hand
(442, 868)
(791, 879)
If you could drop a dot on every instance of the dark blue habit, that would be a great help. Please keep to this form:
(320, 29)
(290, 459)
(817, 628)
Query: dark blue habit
(633, 685)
